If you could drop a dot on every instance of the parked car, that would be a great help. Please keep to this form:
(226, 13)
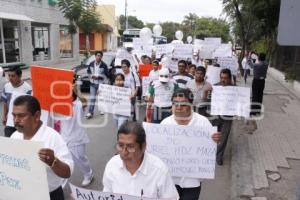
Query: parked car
(81, 74)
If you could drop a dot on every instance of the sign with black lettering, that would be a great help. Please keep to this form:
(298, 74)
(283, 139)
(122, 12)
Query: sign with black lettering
(188, 151)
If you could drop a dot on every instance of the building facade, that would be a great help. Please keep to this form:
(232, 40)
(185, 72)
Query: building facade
(35, 32)
(107, 40)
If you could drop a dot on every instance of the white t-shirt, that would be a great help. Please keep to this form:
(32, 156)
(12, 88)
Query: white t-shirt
(54, 141)
(199, 121)
(162, 93)
(72, 130)
(10, 93)
(198, 91)
(132, 80)
(154, 75)
(245, 64)
(152, 177)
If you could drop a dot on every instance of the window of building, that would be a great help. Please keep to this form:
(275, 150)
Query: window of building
(65, 43)
(40, 41)
(9, 41)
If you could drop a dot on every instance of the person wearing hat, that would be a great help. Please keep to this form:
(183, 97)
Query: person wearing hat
(160, 94)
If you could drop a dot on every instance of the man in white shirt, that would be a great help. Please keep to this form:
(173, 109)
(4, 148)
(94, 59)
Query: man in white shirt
(15, 87)
(98, 73)
(154, 72)
(55, 154)
(246, 66)
(134, 171)
(182, 99)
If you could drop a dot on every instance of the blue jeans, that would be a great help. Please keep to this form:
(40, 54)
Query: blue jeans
(92, 100)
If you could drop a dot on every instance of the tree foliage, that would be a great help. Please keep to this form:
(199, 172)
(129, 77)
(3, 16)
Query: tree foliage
(133, 22)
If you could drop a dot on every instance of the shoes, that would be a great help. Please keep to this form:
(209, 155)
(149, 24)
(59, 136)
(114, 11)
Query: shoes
(220, 161)
(87, 180)
(89, 116)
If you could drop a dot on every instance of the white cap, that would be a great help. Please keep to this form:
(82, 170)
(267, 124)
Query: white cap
(163, 75)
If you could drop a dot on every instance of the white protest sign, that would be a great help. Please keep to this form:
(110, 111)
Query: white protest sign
(171, 63)
(213, 40)
(229, 63)
(183, 51)
(84, 194)
(146, 84)
(224, 50)
(113, 99)
(163, 49)
(22, 174)
(123, 54)
(207, 50)
(188, 151)
(213, 74)
(231, 101)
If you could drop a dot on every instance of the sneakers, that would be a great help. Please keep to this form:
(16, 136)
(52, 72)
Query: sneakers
(87, 180)
(89, 116)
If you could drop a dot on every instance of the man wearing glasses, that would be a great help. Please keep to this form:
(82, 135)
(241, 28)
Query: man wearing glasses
(182, 100)
(160, 93)
(134, 171)
(98, 73)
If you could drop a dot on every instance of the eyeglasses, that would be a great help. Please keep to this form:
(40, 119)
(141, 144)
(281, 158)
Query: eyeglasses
(181, 104)
(164, 76)
(129, 148)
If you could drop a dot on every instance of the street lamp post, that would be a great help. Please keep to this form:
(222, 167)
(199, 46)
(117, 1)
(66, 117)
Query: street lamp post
(126, 18)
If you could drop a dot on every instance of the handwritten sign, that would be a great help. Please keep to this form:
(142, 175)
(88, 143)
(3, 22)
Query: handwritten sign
(123, 54)
(22, 174)
(229, 63)
(188, 151)
(115, 100)
(213, 74)
(163, 49)
(224, 50)
(146, 84)
(84, 194)
(53, 88)
(184, 51)
(213, 40)
(230, 100)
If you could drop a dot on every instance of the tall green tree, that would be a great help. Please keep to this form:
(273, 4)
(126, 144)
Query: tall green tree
(133, 22)
(82, 14)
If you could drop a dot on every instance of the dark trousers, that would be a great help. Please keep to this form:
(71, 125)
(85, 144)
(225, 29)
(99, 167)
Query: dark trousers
(188, 193)
(9, 130)
(258, 86)
(57, 194)
(160, 113)
(224, 126)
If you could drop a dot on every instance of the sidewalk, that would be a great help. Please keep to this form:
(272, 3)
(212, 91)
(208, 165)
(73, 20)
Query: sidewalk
(266, 163)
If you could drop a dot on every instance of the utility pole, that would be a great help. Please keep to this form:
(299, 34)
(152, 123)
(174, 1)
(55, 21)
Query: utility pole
(126, 18)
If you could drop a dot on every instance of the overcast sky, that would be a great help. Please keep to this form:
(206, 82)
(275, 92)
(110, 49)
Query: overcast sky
(156, 11)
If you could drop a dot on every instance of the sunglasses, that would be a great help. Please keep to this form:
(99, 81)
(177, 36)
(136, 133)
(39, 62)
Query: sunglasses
(180, 104)
(164, 76)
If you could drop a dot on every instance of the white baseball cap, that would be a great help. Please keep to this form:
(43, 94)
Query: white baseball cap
(163, 75)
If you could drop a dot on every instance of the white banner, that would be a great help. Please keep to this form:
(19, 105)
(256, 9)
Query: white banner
(225, 50)
(22, 174)
(183, 51)
(213, 74)
(213, 40)
(229, 63)
(146, 84)
(123, 54)
(189, 151)
(231, 101)
(115, 100)
(207, 50)
(84, 194)
(166, 49)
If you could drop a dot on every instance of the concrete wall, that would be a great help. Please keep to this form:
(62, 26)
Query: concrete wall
(41, 12)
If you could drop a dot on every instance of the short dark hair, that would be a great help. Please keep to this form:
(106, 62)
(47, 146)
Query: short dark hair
(262, 57)
(133, 128)
(193, 66)
(125, 62)
(201, 69)
(155, 62)
(226, 71)
(98, 52)
(16, 69)
(187, 93)
(183, 62)
(119, 74)
(32, 104)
